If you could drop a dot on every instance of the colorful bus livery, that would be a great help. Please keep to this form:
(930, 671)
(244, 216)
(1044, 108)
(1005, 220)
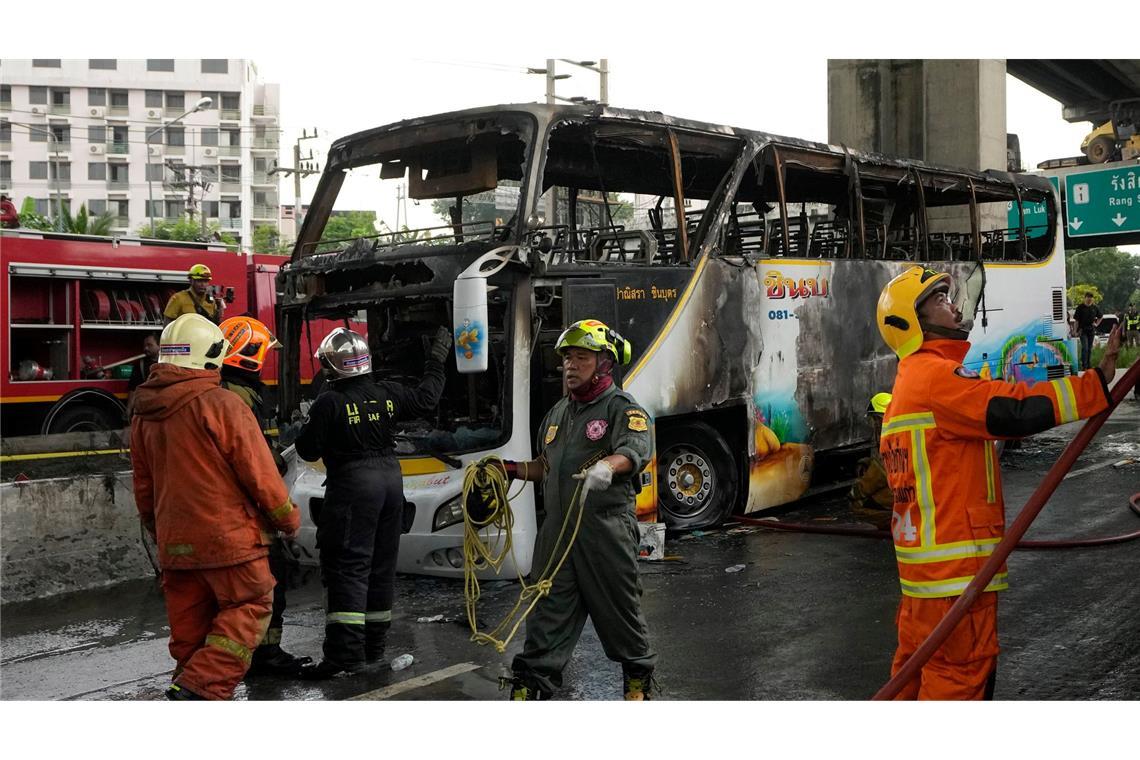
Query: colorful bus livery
(742, 267)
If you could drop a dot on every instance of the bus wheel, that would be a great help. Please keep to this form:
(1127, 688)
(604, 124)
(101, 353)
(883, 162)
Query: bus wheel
(1100, 150)
(82, 418)
(696, 476)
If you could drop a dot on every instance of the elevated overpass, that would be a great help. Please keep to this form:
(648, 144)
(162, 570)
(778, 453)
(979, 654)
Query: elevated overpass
(1084, 88)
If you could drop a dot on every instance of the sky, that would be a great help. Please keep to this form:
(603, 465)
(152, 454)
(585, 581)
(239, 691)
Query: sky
(314, 97)
(347, 66)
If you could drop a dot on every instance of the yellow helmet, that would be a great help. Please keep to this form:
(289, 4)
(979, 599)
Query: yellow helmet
(879, 403)
(897, 313)
(593, 335)
(194, 342)
(200, 272)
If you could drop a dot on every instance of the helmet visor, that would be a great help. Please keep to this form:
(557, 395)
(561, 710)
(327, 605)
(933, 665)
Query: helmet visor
(967, 293)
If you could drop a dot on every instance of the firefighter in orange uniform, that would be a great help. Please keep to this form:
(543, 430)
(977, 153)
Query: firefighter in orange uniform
(939, 453)
(210, 495)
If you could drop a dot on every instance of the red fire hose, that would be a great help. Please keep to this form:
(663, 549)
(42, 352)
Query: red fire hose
(1028, 514)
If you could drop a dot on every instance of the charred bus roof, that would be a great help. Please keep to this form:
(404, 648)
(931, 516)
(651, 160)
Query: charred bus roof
(591, 148)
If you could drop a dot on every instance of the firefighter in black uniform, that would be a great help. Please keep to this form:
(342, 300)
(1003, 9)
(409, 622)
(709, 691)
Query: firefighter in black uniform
(250, 341)
(350, 426)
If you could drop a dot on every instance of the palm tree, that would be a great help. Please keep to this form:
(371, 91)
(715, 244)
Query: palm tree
(81, 224)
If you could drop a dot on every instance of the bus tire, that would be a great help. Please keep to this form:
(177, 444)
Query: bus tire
(696, 476)
(82, 418)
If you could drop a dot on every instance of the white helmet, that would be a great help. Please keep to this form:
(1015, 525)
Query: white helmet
(194, 342)
(345, 353)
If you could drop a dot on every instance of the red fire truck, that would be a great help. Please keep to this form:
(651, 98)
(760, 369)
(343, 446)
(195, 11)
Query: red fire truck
(75, 310)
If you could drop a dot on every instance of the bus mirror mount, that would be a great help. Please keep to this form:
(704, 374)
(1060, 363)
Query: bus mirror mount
(469, 305)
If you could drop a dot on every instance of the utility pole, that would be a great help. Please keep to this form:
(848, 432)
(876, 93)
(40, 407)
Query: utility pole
(602, 69)
(302, 167)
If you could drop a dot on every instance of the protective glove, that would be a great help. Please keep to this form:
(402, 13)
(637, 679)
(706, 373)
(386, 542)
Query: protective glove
(440, 345)
(597, 478)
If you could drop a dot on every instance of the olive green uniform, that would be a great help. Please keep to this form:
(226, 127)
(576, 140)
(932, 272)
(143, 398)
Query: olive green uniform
(599, 579)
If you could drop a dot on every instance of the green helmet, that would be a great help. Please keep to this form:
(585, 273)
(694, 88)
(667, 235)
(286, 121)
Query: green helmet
(199, 272)
(593, 335)
(879, 403)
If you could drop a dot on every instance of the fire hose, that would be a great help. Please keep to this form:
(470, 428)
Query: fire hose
(491, 526)
(1012, 539)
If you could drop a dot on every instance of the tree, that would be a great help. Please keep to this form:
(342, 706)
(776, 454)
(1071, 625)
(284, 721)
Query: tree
(1076, 294)
(29, 219)
(185, 229)
(266, 239)
(82, 224)
(1114, 272)
(347, 225)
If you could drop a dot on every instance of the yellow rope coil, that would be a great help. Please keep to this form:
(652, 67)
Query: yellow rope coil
(487, 543)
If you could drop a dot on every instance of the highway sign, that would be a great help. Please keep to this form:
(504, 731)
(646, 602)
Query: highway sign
(1103, 202)
(1036, 216)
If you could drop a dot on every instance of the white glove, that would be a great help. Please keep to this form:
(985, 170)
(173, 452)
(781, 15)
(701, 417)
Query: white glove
(597, 478)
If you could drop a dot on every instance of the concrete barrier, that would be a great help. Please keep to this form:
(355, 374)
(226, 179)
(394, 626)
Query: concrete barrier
(68, 534)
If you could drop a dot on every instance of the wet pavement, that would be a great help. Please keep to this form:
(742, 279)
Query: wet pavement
(808, 617)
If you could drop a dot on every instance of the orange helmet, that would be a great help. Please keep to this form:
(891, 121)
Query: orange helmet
(249, 341)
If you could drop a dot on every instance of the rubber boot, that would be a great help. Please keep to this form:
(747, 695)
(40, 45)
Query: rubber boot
(272, 660)
(178, 693)
(375, 637)
(524, 690)
(323, 670)
(637, 688)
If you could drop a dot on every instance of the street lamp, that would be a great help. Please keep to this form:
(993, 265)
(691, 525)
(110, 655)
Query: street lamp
(200, 105)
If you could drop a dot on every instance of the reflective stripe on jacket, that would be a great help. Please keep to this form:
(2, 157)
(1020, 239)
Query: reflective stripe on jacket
(203, 476)
(941, 462)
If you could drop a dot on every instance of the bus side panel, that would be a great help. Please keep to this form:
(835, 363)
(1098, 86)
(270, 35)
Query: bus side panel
(1026, 338)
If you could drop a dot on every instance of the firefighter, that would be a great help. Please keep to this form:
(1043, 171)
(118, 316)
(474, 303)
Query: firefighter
(938, 448)
(210, 496)
(9, 216)
(596, 437)
(196, 299)
(249, 342)
(1132, 326)
(870, 497)
(351, 427)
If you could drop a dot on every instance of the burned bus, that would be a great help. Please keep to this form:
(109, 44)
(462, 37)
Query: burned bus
(743, 267)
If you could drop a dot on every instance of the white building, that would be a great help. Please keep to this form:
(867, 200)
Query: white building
(100, 112)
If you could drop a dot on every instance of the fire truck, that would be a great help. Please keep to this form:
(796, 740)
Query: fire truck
(75, 310)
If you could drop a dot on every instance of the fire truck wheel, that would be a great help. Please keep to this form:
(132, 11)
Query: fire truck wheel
(81, 418)
(696, 476)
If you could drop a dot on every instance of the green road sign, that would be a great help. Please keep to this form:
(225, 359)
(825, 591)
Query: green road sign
(1036, 216)
(1103, 201)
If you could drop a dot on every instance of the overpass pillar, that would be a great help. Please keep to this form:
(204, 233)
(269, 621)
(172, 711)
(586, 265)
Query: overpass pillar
(945, 112)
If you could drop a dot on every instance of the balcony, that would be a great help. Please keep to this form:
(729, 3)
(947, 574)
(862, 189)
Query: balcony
(175, 150)
(60, 109)
(229, 114)
(120, 222)
(229, 151)
(229, 186)
(265, 212)
(118, 148)
(118, 184)
(262, 178)
(265, 143)
(262, 111)
(114, 110)
(5, 146)
(59, 146)
(230, 224)
(59, 184)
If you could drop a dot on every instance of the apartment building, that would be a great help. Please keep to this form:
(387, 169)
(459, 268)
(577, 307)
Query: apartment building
(106, 132)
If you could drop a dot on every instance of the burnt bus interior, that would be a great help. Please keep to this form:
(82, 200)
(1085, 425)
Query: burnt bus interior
(616, 197)
(474, 411)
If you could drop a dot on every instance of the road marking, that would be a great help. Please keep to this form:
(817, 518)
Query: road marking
(1091, 468)
(419, 681)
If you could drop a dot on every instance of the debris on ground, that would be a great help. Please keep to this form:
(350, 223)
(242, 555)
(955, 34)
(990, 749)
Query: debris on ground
(735, 568)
